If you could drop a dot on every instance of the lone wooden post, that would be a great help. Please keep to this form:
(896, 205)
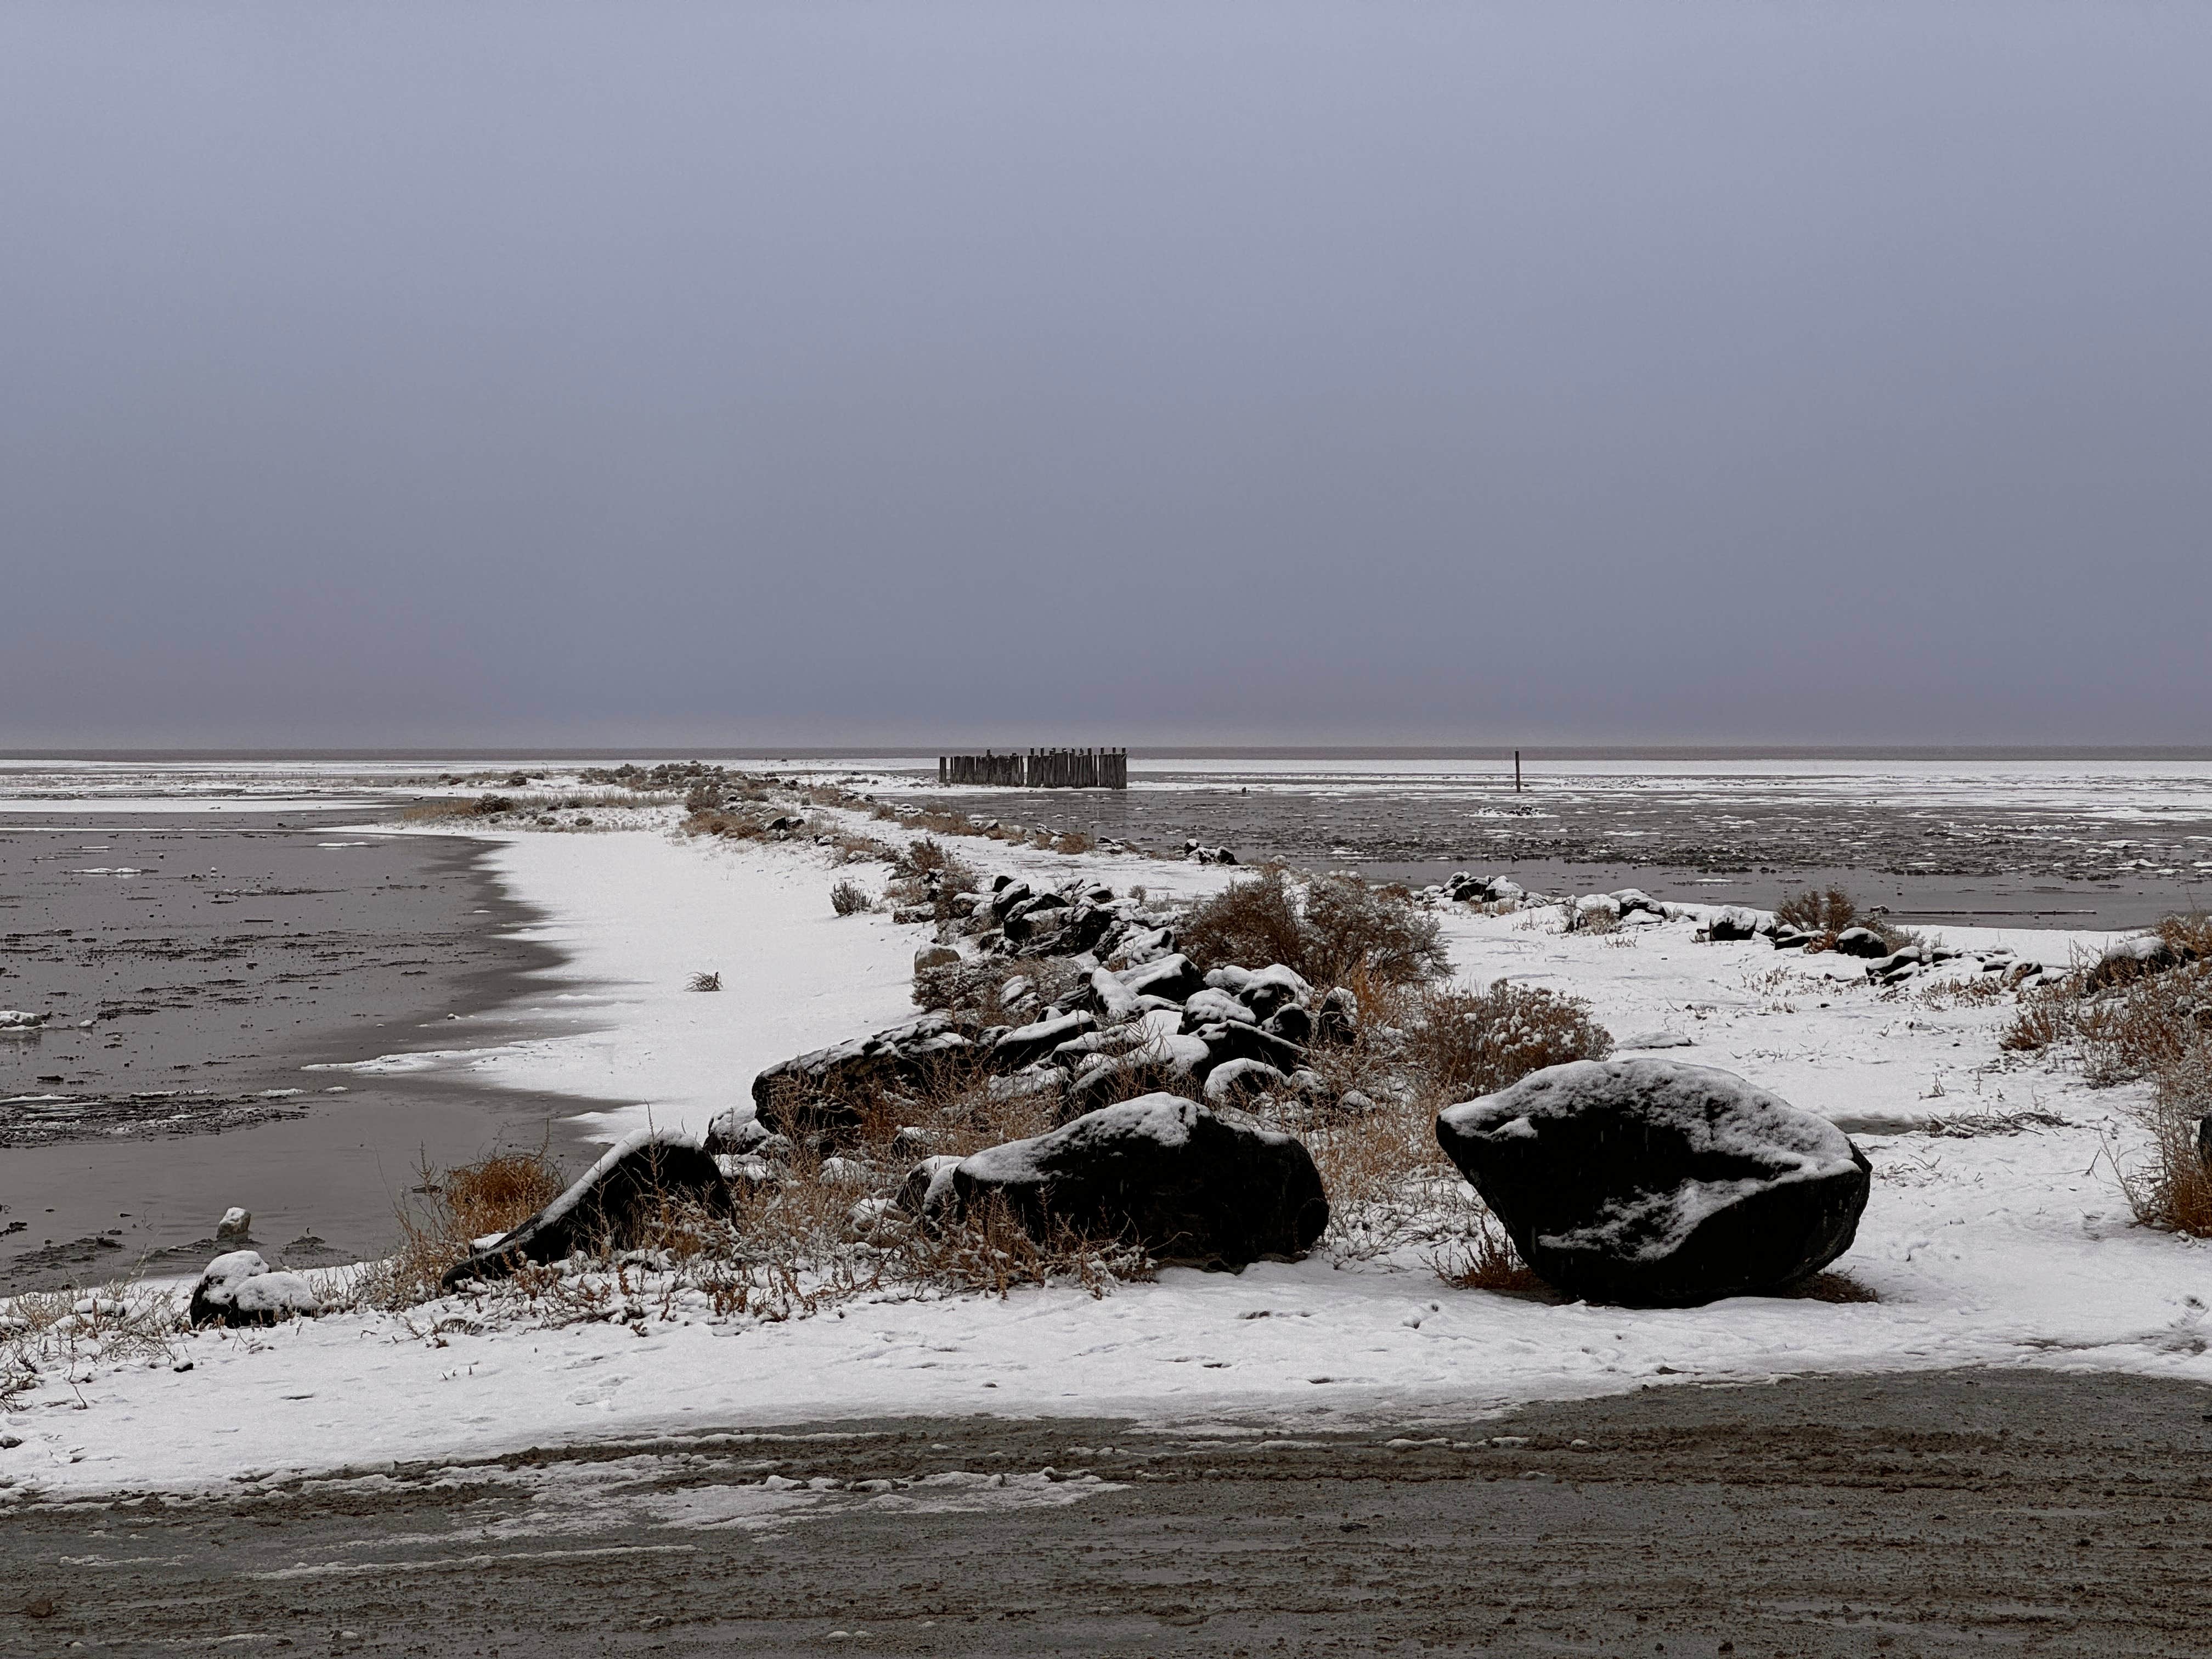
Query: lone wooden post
(1516, 771)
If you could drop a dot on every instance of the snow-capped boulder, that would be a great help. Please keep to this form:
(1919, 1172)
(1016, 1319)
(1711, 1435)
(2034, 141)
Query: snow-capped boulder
(1228, 1040)
(1206, 1007)
(1192, 1186)
(926, 1192)
(1025, 1043)
(1235, 1081)
(2134, 959)
(1861, 942)
(646, 1178)
(236, 1227)
(816, 1090)
(1291, 1022)
(1651, 1182)
(1172, 977)
(1338, 1021)
(935, 956)
(238, 1288)
(1732, 924)
(734, 1133)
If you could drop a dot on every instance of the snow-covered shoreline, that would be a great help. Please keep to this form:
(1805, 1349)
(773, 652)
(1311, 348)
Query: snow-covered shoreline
(1994, 1248)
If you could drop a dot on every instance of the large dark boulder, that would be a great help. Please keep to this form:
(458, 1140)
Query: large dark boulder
(642, 1181)
(1862, 942)
(823, 1090)
(2132, 959)
(1192, 1186)
(1732, 924)
(1655, 1183)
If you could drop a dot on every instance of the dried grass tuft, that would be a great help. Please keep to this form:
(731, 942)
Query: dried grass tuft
(449, 1211)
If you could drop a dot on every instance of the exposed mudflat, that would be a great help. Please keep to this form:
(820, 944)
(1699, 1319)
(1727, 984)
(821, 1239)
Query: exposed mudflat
(2028, 853)
(1928, 1513)
(194, 975)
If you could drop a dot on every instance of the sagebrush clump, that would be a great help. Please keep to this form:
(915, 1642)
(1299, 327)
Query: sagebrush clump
(1331, 930)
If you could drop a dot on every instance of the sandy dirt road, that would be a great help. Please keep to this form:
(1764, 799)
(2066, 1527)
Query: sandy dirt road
(1953, 1513)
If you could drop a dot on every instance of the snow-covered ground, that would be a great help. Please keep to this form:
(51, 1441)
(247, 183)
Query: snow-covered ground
(2001, 1249)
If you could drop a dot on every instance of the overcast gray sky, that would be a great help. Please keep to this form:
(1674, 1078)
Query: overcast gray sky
(647, 373)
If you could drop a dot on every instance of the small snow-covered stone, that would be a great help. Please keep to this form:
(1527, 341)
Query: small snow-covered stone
(735, 1132)
(927, 1188)
(935, 956)
(1205, 1008)
(1656, 1040)
(236, 1225)
(1652, 1182)
(1238, 1080)
(238, 1289)
(1338, 1021)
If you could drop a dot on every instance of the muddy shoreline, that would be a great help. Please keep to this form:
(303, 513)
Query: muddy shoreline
(1930, 1514)
(194, 973)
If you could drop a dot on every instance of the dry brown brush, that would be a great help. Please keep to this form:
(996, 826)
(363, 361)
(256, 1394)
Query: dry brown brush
(1331, 929)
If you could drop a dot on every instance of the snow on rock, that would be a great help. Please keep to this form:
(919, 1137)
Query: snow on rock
(1026, 1043)
(1175, 978)
(1734, 923)
(926, 1192)
(1206, 1007)
(1861, 942)
(236, 1225)
(1239, 1079)
(1656, 1040)
(1654, 1183)
(2133, 958)
(634, 1181)
(17, 1021)
(1193, 1186)
(238, 1288)
(814, 1090)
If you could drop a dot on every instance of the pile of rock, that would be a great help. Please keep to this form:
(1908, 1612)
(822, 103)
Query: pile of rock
(1079, 917)
(1885, 966)
(1630, 907)
(1465, 889)
(240, 1289)
(1198, 855)
(1230, 1034)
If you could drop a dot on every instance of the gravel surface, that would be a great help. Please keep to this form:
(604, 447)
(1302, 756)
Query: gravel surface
(1930, 1514)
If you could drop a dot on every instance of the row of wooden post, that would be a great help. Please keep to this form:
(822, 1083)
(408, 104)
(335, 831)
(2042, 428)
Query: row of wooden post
(1039, 769)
